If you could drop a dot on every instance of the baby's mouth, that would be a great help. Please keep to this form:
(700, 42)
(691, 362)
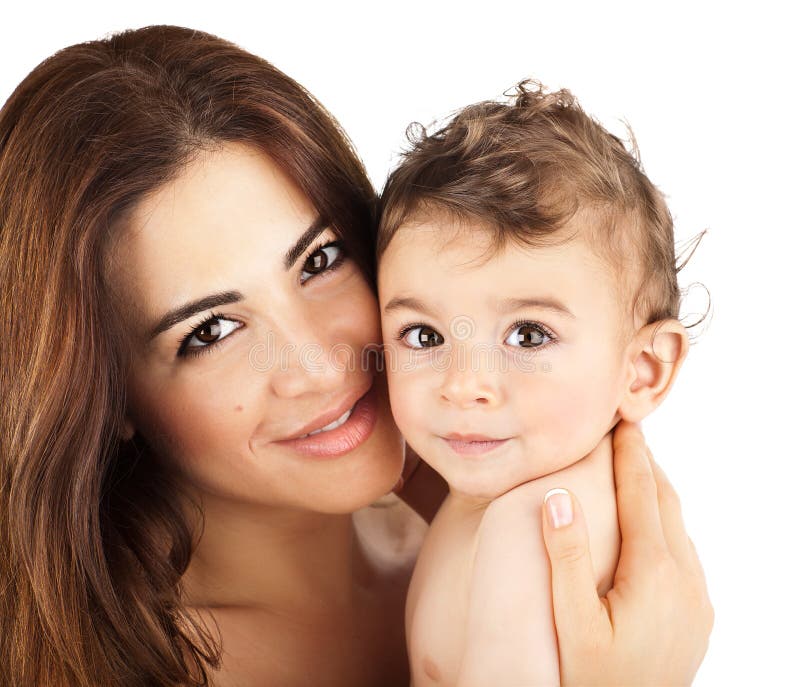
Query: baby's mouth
(473, 444)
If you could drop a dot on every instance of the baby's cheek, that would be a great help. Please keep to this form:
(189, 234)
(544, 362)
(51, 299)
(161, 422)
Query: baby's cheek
(415, 409)
(405, 399)
(581, 412)
(565, 412)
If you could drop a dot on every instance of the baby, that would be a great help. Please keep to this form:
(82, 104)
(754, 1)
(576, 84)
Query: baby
(528, 293)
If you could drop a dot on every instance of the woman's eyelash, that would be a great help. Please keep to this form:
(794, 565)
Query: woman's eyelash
(184, 350)
(320, 245)
(183, 346)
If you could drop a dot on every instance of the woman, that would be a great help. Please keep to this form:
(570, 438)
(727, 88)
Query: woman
(192, 421)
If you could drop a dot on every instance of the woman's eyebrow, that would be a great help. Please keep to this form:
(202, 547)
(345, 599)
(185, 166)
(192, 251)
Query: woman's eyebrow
(171, 318)
(176, 315)
(317, 227)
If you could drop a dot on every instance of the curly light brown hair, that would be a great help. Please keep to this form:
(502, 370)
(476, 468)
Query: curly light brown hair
(537, 170)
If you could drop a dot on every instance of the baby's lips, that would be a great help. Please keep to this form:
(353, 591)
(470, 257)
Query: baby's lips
(455, 436)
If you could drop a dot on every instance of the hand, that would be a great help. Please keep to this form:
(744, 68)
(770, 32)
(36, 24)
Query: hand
(652, 627)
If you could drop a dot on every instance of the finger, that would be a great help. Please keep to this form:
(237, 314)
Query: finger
(694, 561)
(576, 606)
(669, 506)
(637, 497)
(698, 566)
(703, 601)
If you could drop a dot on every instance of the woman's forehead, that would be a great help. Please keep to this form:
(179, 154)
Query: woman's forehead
(227, 220)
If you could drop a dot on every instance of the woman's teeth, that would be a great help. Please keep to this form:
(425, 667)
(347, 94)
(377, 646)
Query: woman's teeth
(332, 425)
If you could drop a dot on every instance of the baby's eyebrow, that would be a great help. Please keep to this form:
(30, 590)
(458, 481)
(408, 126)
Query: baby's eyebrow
(409, 303)
(510, 304)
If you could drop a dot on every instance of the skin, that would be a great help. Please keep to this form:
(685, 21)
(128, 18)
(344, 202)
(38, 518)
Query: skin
(659, 585)
(524, 346)
(291, 568)
(280, 558)
(551, 399)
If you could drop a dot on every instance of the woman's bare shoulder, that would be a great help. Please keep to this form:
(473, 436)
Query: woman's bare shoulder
(391, 532)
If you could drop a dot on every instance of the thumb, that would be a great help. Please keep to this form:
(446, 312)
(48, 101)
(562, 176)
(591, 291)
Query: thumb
(576, 606)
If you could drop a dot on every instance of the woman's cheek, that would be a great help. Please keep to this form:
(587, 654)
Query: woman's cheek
(353, 313)
(201, 414)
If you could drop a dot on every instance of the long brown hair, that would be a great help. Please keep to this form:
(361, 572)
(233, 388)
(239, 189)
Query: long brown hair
(92, 545)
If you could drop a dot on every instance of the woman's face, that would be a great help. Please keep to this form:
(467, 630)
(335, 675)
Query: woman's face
(248, 324)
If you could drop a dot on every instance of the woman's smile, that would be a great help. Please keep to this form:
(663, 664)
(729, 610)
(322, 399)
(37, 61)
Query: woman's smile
(340, 436)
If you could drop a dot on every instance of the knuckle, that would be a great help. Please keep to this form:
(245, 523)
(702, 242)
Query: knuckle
(629, 437)
(643, 482)
(694, 561)
(664, 567)
(668, 496)
(637, 485)
(709, 616)
(571, 553)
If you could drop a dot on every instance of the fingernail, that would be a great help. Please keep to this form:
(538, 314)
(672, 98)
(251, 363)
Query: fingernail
(558, 505)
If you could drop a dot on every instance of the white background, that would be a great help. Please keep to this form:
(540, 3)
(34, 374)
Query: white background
(711, 93)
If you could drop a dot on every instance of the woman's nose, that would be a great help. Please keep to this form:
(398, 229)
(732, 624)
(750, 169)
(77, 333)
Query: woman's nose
(298, 365)
(304, 369)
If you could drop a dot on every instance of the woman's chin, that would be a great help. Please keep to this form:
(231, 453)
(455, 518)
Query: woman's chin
(371, 474)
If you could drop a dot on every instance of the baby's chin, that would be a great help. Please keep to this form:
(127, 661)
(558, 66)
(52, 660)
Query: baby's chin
(482, 489)
(489, 476)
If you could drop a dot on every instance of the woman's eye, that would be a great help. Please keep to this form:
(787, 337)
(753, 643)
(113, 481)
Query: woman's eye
(209, 332)
(528, 335)
(321, 259)
(422, 336)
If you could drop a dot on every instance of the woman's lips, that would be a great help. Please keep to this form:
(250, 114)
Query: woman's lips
(353, 432)
(472, 444)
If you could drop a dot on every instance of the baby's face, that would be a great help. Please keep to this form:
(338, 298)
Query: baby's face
(501, 369)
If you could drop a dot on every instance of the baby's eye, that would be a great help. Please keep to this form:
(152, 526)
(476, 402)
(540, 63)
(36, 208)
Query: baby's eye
(211, 331)
(322, 259)
(528, 335)
(422, 336)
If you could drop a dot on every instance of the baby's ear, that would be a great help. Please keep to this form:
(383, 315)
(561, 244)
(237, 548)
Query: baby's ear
(654, 357)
